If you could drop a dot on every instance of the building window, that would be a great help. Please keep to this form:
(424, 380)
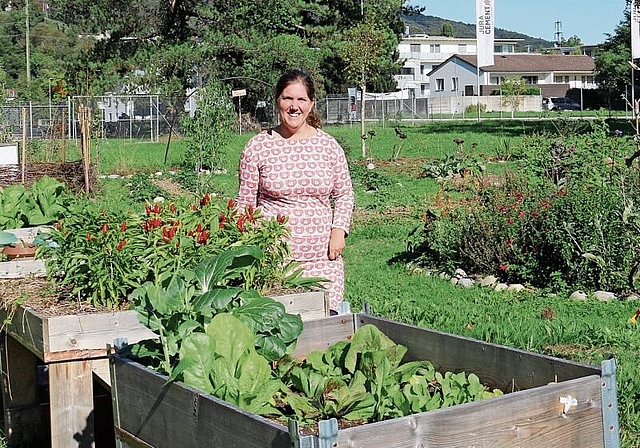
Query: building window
(415, 50)
(407, 71)
(454, 84)
(434, 48)
(423, 89)
(496, 80)
(439, 84)
(424, 69)
(530, 79)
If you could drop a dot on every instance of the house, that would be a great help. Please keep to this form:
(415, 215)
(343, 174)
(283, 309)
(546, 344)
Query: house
(421, 53)
(555, 74)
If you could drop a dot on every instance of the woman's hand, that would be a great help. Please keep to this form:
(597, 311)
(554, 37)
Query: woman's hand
(336, 243)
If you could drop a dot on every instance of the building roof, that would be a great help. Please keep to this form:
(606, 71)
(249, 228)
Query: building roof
(522, 63)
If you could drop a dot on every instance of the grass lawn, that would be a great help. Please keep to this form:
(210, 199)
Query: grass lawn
(389, 203)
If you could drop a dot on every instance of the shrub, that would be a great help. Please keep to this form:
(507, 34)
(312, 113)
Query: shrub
(566, 217)
(473, 108)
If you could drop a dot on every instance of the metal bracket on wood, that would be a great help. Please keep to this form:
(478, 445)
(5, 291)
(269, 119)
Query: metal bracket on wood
(344, 308)
(327, 435)
(610, 404)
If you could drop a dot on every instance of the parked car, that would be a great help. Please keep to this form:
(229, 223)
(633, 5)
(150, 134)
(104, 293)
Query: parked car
(559, 103)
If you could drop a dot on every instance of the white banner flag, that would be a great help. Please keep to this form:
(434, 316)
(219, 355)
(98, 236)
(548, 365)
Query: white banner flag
(485, 17)
(635, 29)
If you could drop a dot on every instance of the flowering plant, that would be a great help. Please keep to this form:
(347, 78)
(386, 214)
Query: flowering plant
(104, 255)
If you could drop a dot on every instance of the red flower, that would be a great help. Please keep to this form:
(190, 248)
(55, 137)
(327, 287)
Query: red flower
(89, 236)
(194, 207)
(240, 223)
(168, 233)
(503, 267)
(281, 219)
(205, 199)
(231, 204)
(147, 209)
(545, 204)
(123, 226)
(157, 209)
(120, 245)
(222, 219)
(508, 242)
(202, 237)
(521, 214)
(250, 213)
(58, 225)
(172, 209)
(105, 228)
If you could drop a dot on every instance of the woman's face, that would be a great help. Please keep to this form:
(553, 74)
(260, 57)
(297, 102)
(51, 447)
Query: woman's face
(294, 106)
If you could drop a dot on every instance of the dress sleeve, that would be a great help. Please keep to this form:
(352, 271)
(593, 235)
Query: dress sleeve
(249, 178)
(342, 193)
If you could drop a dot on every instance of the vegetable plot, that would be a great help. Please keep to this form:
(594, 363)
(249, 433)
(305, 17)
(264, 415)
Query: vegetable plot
(234, 344)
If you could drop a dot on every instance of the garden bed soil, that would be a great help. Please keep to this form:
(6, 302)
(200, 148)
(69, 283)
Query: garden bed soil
(69, 173)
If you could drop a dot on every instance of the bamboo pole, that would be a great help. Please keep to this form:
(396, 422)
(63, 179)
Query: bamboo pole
(84, 116)
(24, 144)
(62, 136)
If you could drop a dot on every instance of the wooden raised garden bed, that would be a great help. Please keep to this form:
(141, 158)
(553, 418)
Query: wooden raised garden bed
(60, 356)
(150, 413)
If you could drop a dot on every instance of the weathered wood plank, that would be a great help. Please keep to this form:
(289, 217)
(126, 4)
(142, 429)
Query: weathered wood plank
(24, 325)
(527, 419)
(498, 366)
(22, 268)
(320, 334)
(177, 415)
(309, 305)
(71, 401)
(94, 331)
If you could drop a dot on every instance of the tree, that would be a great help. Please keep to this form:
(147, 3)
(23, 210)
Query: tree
(612, 60)
(362, 51)
(447, 29)
(513, 89)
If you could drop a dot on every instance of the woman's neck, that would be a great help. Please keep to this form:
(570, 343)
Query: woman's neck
(305, 131)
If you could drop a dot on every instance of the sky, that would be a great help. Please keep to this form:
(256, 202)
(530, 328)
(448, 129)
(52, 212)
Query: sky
(587, 19)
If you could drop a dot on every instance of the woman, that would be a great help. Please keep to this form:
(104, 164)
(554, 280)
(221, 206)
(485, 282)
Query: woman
(295, 169)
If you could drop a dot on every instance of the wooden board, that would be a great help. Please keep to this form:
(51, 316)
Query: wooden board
(72, 337)
(22, 268)
(526, 419)
(500, 367)
(310, 305)
(180, 416)
(150, 414)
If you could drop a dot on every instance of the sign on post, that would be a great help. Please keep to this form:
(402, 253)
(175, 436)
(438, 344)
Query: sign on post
(239, 93)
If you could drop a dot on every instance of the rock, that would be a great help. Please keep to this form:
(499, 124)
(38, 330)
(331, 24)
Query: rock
(114, 176)
(459, 273)
(158, 199)
(500, 287)
(604, 296)
(454, 280)
(515, 287)
(466, 282)
(158, 173)
(632, 297)
(578, 295)
(489, 280)
(444, 276)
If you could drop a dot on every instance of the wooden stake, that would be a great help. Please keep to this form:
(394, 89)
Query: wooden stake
(24, 144)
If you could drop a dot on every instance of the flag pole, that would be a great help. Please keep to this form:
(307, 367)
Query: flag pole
(478, 81)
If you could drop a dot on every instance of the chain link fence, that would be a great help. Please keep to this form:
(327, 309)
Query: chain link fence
(151, 117)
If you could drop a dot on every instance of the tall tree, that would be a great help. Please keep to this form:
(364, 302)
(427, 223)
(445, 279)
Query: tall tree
(612, 60)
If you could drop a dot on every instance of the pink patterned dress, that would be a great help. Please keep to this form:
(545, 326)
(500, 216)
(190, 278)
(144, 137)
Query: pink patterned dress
(297, 179)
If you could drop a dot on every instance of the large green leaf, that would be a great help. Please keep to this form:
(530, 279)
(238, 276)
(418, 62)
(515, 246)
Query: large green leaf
(215, 270)
(366, 338)
(197, 354)
(233, 338)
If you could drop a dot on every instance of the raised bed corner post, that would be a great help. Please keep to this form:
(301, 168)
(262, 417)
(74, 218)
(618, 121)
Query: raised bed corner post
(610, 423)
(327, 435)
(118, 345)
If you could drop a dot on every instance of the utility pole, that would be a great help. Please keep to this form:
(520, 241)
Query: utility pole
(26, 8)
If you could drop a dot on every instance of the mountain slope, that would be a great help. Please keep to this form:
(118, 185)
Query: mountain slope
(423, 24)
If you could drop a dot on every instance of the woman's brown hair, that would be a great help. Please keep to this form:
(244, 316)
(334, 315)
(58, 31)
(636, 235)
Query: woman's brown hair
(297, 75)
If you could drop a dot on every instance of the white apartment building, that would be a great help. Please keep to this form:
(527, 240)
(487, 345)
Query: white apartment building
(421, 53)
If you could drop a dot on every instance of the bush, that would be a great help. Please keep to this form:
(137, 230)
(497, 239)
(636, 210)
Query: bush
(473, 108)
(566, 217)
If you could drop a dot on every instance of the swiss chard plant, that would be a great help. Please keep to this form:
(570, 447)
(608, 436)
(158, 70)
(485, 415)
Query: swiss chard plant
(187, 303)
(364, 380)
(40, 204)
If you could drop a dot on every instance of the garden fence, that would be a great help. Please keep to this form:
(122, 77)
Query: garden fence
(150, 117)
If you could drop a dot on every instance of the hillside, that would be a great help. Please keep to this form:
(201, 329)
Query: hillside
(423, 24)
